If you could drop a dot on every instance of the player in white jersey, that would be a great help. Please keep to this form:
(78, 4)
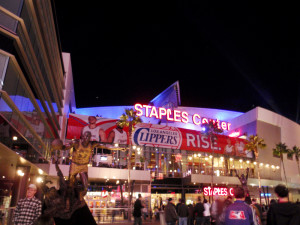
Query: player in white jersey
(117, 136)
(98, 134)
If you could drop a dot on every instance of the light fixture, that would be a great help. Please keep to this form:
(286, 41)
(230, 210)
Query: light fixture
(231, 159)
(15, 138)
(40, 171)
(39, 180)
(20, 173)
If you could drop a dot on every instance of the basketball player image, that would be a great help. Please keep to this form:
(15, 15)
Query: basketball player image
(229, 148)
(97, 133)
(117, 135)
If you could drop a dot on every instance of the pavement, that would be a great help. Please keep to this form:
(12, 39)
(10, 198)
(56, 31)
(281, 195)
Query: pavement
(131, 223)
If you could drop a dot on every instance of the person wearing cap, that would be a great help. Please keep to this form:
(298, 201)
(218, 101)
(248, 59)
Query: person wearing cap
(170, 213)
(28, 209)
(283, 212)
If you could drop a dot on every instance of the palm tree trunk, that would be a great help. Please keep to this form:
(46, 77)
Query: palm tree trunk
(129, 168)
(281, 157)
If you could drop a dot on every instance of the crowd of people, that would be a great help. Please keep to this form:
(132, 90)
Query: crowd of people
(242, 211)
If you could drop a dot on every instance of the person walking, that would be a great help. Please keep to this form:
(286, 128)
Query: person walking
(191, 214)
(170, 213)
(255, 204)
(183, 213)
(137, 211)
(198, 212)
(221, 218)
(28, 209)
(239, 213)
(283, 212)
(255, 211)
(206, 213)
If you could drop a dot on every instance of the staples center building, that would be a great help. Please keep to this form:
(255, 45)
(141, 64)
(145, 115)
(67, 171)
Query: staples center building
(172, 156)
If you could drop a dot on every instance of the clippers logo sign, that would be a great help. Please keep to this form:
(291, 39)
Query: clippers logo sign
(157, 136)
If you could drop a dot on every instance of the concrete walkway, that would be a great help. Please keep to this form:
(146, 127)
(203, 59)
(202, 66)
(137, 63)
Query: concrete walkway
(131, 223)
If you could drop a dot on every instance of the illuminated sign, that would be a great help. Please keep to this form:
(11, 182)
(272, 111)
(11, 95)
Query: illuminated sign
(104, 194)
(265, 194)
(176, 116)
(220, 191)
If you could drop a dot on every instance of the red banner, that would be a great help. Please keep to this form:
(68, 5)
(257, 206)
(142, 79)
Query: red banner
(179, 138)
(99, 127)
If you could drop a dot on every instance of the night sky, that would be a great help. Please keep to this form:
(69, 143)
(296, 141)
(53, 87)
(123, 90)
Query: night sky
(233, 57)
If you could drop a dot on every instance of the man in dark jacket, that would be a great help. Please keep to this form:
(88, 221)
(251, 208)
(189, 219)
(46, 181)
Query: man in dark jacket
(137, 211)
(170, 213)
(239, 213)
(198, 212)
(283, 212)
(183, 213)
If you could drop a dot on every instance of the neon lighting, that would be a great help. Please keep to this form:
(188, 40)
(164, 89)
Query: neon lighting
(224, 126)
(204, 120)
(176, 115)
(185, 118)
(195, 121)
(234, 134)
(217, 191)
(138, 109)
(161, 112)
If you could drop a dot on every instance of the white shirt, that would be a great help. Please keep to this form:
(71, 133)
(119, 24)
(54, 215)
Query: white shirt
(94, 132)
(206, 209)
(120, 138)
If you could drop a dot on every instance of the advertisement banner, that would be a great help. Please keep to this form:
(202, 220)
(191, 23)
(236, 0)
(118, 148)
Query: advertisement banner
(154, 135)
(99, 127)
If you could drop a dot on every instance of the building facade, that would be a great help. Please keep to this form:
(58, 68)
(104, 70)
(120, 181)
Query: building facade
(36, 95)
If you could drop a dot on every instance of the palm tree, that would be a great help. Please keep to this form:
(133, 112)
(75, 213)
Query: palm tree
(254, 144)
(129, 119)
(281, 149)
(211, 129)
(295, 151)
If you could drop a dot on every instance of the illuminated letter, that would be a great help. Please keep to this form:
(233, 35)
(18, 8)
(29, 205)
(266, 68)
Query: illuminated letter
(138, 108)
(190, 140)
(169, 112)
(153, 112)
(224, 126)
(205, 191)
(204, 121)
(162, 112)
(218, 124)
(185, 118)
(229, 124)
(231, 191)
(147, 107)
(177, 116)
(194, 120)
